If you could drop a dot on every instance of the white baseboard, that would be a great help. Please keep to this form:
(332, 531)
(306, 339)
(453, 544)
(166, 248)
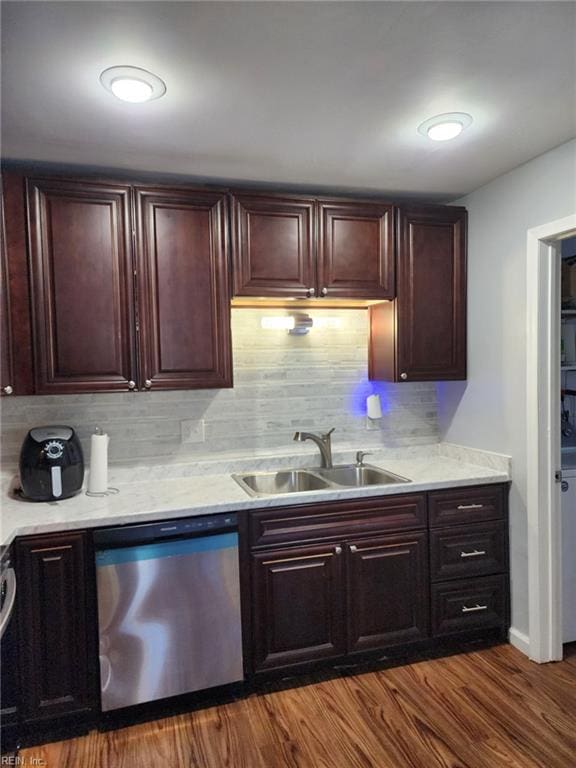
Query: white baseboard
(519, 640)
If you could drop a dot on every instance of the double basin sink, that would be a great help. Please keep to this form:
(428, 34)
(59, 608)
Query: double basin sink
(317, 479)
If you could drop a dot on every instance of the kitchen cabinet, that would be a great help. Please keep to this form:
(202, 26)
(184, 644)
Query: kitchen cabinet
(184, 307)
(6, 356)
(469, 559)
(421, 335)
(129, 287)
(15, 310)
(356, 250)
(56, 615)
(387, 591)
(84, 334)
(297, 605)
(300, 247)
(347, 593)
(273, 246)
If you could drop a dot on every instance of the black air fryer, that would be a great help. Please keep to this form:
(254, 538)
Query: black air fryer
(51, 464)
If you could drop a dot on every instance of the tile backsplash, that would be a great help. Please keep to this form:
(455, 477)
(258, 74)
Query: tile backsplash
(282, 383)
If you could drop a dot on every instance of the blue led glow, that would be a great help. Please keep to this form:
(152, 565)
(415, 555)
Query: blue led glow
(357, 401)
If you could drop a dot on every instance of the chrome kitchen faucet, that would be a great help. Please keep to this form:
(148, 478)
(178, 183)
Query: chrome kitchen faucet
(324, 443)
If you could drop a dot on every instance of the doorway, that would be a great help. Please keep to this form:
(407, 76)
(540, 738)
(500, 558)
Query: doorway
(543, 430)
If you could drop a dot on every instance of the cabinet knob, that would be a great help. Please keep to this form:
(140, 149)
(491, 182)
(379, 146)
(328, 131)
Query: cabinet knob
(7, 390)
(310, 292)
(131, 385)
(337, 550)
(147, 383)
(403, 376)
(324, 291)
(353, 548)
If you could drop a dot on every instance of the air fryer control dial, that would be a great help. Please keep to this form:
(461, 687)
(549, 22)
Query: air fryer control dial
(54, 449)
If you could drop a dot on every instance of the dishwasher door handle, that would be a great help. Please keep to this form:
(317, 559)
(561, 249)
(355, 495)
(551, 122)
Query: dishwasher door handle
(8, 584)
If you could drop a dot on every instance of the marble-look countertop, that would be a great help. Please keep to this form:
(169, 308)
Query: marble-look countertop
(163, 492)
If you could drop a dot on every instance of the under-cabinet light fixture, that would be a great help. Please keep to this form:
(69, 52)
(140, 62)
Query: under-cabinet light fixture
(298, 324)
(133, 84)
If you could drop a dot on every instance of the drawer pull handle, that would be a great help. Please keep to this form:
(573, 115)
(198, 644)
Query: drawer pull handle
(337, 550)
(353, 548)
(470, 506)
(474, 608)
(475, 553)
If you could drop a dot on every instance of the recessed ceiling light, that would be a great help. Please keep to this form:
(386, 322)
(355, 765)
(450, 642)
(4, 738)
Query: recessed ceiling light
(132, 84)
(445, 127)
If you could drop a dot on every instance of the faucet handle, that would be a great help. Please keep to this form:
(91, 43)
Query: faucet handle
(360, 457)
(327, 434)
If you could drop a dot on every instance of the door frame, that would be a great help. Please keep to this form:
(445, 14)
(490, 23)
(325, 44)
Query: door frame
(543, 439)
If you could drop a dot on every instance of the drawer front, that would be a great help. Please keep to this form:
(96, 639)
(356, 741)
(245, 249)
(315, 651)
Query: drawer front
(471, 604)
(464, 551)
(337, 520)
(467, 505)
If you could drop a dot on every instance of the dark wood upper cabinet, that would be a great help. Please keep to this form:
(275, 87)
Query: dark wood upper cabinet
(58, 652)
(387, 591)
(356, 250)
(82, 286)
(273, 246)
(184, 305)
(298, 247)
(16, 340)
(6, 356)
(421, 335)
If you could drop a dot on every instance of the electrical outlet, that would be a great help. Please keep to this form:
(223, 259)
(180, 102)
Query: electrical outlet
(192, 431)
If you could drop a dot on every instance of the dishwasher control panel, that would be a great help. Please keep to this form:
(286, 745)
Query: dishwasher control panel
(167, 529)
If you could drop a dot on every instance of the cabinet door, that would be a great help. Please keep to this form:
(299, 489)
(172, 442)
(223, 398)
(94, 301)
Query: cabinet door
(16, 340)
(388, 597)
(57, 650)
(432, 294)
(81, 280)
(6, 357)
(421, 336)
(356, 250)
(273, 249)
(184, 300)
(297, 606)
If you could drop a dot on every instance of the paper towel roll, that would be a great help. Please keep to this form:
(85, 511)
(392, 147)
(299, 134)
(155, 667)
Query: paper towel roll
(98, 478)
(373, 407)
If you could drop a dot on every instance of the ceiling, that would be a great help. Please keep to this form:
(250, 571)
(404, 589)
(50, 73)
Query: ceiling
(300, 93)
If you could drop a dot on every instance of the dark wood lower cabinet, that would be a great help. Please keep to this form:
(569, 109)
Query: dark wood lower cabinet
(387, 591)
(314, 603)
(58, 655)
(297, 605)
(364, 585)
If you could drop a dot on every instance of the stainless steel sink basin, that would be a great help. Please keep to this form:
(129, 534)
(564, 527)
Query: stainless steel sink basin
(352, 475)
(283, 481)
(316, 479)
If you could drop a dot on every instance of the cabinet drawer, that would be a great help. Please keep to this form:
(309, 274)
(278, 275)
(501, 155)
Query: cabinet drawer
(337, 520)
(467, 505)
(471, 604)
(472, 550)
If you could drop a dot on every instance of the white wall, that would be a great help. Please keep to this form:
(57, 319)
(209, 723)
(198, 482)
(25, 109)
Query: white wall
(489, 410)
(282, 384)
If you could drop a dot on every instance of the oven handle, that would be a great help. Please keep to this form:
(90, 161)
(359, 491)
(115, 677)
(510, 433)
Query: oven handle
(8, 583)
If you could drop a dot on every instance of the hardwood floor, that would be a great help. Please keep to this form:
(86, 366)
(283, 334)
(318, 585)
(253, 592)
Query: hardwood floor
(483, 709)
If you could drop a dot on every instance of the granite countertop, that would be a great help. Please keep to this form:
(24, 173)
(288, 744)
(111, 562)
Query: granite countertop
(170, 491)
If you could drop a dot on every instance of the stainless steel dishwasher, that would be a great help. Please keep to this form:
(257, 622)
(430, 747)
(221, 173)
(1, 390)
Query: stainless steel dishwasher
(168, 608)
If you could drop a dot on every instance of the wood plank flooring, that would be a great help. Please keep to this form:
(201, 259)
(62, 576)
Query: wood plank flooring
(483, 709)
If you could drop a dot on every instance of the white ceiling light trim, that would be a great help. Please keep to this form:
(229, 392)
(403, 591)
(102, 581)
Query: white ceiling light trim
(133, 84)
(446, 126)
